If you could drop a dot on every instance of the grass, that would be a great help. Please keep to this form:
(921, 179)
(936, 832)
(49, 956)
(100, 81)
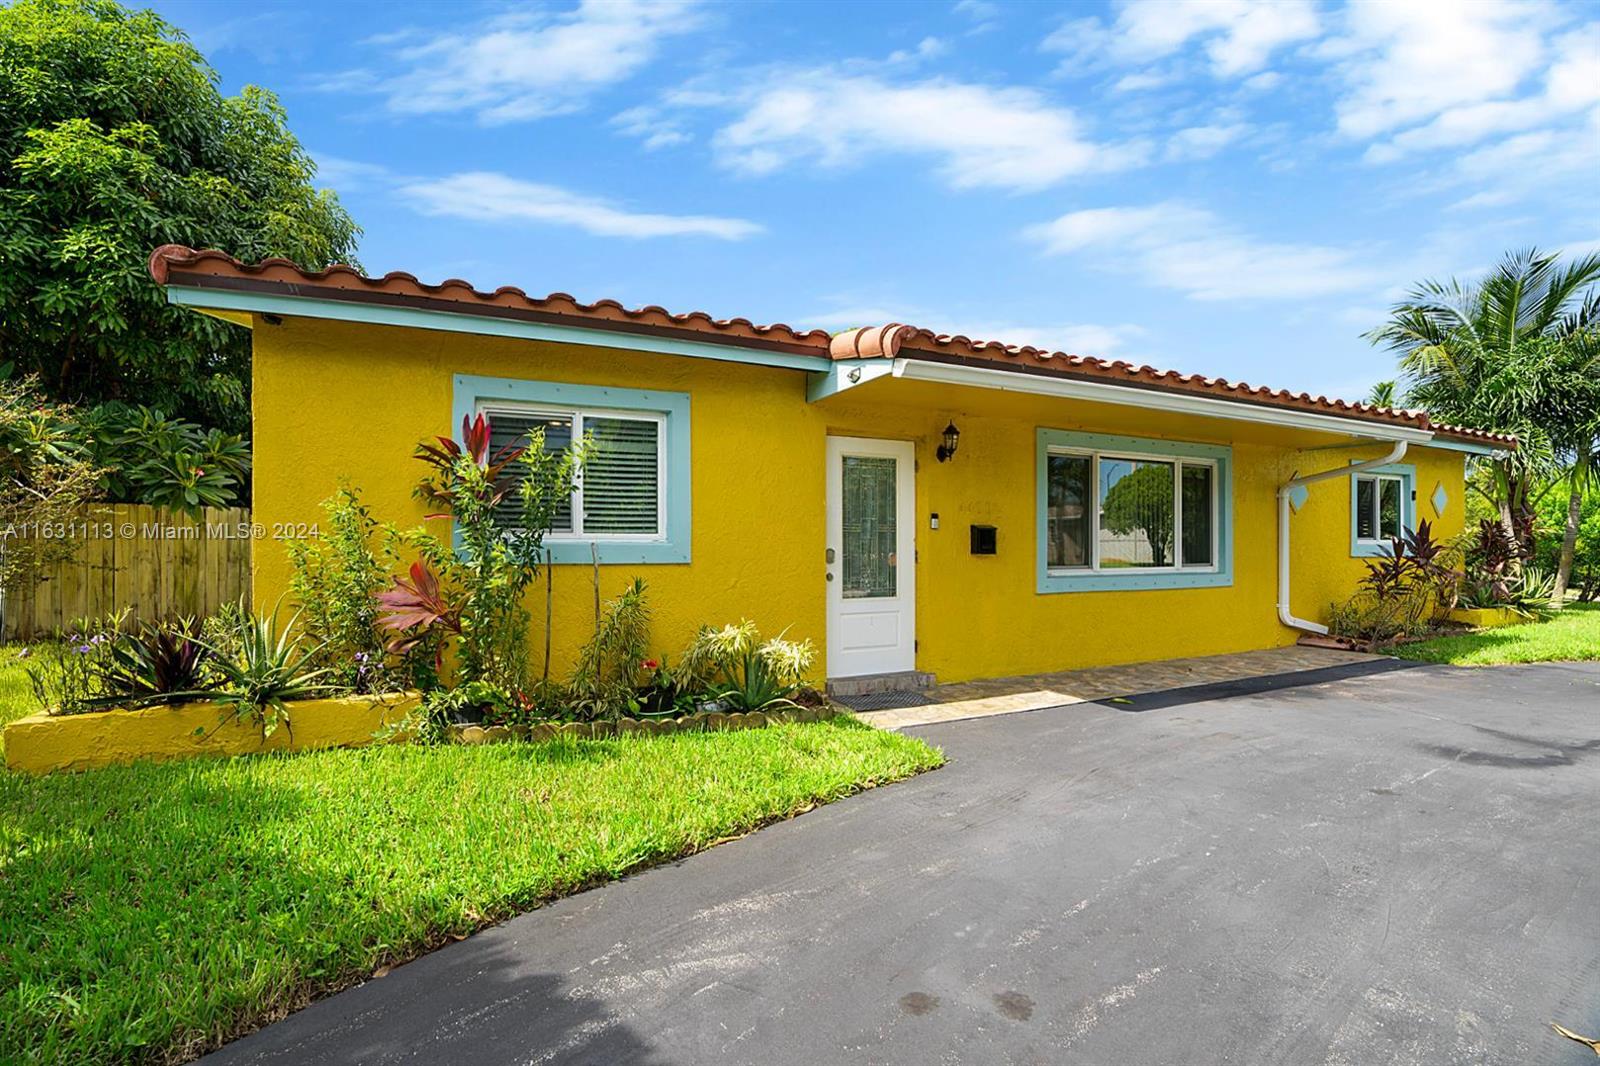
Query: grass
(1569, 634)
(153, 912)
(16, 692)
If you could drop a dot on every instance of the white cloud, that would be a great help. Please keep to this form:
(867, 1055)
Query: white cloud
(982, 137)
(1267, 79)
(927, 48)
(1203, 142)
(345, 175)
(1404, 63)
(526, 63)
(652, 128)
(1146, 79)
(488, 197)
(1571, 84)
(1238, 36)
(1192, 251)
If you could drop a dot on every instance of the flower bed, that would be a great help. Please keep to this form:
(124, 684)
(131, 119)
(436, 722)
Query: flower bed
(41, 743)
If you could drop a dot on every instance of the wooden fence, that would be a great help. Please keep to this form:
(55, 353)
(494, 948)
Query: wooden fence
(154, 561)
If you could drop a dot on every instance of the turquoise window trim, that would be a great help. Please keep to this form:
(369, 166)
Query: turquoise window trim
(1102, 581)
(1407, 473)
(471, 391)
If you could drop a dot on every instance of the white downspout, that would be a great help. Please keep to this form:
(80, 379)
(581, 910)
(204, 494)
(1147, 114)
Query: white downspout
(1284, 614)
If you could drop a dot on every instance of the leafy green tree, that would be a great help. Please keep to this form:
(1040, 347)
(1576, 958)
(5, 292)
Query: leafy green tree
(114, 139)
(1141, 501)
(1512, 352)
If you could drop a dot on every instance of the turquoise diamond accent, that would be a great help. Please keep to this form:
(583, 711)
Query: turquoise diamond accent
(1440, 500)
(1298, 496)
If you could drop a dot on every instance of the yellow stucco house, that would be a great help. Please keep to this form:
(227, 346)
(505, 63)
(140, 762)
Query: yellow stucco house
(914, 503)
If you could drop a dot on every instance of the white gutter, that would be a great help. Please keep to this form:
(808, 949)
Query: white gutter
(1151, 399)
(1285, 615)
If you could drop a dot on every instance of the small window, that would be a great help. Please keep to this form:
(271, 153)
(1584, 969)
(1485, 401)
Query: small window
(619, 496)
(1379, 507)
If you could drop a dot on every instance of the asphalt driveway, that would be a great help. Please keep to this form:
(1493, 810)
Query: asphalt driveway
(1395, 867)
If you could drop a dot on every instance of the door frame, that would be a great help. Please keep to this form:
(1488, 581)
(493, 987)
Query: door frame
(905, 454)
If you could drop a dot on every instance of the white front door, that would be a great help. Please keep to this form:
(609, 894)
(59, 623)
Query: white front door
(871, 557)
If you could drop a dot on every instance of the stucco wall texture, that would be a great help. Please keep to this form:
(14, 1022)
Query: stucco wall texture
(340, 402)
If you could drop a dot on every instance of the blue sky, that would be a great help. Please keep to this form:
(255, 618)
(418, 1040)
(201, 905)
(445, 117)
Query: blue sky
(1226, 187)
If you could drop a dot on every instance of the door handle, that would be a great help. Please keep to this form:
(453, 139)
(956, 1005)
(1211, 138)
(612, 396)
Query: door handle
(829, 555)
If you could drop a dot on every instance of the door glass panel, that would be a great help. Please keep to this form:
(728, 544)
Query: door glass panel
(1197, 510)
(1137, 513)
(867, 512)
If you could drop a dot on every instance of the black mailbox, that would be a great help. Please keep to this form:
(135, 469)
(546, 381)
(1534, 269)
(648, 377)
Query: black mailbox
(983, 540)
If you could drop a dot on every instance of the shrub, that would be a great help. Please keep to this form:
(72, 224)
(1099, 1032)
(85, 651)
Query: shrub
(150, 458)
(1406, 589)
(45, 479)
(337, 581)
(734, 666)
(472, 591)
(605, 676)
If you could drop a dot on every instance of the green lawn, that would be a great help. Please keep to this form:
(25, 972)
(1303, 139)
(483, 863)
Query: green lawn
(1568, 634)
(153, 912)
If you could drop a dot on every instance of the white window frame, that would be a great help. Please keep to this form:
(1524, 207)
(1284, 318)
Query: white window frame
(1379, 538)
(578, 415)
(1095, 503)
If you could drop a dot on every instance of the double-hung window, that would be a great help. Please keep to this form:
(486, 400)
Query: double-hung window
(1130, 513)
(1380, 507)
(631, 500)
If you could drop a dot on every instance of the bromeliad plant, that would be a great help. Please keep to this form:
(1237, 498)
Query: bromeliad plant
(735, 667)
(158, 663)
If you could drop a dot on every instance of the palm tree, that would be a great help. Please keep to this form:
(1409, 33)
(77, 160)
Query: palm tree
(1505, 353)
(1383, 394)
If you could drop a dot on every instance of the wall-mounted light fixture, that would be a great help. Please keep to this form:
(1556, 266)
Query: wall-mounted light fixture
(952, 437)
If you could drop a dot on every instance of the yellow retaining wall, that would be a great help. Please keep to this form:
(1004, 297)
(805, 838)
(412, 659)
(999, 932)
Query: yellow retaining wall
(341, 401)
(1486, 617)
(41, 743)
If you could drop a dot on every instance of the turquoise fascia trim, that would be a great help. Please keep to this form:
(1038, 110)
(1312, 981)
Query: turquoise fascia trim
(1408, 507)
(1103, 581)
(470, 391)
(485, 325)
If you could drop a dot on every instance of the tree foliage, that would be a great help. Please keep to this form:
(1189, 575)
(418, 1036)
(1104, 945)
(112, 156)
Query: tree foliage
(1514, 352)
(114, 139)
(1141, 501)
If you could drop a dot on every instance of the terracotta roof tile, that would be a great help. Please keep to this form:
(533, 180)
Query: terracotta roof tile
(176, 264)
(173, 264)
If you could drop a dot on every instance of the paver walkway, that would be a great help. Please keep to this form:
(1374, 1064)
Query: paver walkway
(1033, 692)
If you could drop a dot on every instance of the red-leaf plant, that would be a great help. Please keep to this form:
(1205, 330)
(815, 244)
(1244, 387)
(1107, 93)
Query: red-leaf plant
(442, 489)
(416, 609)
